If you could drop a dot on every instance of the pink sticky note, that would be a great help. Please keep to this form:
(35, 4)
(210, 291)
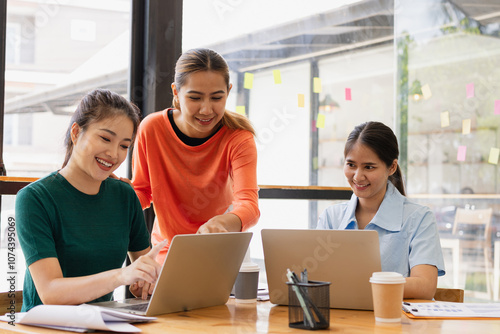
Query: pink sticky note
(313, 126)
(497, 107)
(470, 90)
(462, 150)
(348, 94)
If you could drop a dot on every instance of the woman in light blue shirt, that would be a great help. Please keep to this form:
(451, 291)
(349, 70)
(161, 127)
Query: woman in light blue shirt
(409, 240)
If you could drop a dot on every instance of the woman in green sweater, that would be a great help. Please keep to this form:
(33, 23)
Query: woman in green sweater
(77, 224)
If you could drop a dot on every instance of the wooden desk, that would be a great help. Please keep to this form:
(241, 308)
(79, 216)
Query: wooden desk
(264, 317)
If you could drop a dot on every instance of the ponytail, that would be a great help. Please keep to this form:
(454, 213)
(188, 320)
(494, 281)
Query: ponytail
(397, 180)
(235, 121)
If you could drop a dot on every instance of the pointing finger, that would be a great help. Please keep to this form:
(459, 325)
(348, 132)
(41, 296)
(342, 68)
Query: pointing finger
(153, 253)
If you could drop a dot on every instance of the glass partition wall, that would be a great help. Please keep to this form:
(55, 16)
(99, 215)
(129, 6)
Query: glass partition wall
(56, 51)
(305, 73)
(448, 84)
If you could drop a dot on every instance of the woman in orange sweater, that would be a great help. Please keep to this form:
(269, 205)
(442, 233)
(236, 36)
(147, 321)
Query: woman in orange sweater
(196, 162)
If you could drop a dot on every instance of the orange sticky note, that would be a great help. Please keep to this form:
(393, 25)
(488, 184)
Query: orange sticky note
(320, 121)
(301, 100)
(241, 110)
(426, 91)
(277, 76)
(248, 80)
(445, 119)
(462, 151)
(466, 123)
(494, 154)
(316, 85)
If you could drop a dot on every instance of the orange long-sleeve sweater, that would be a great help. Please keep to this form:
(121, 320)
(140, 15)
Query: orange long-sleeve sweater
(188, 185)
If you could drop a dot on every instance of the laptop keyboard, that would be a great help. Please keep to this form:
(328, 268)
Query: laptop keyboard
(136, 307)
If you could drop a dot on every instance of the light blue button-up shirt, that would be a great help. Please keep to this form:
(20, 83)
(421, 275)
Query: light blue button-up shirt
(407, 231)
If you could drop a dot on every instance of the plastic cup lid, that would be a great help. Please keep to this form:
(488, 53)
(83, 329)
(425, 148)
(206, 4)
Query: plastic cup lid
(248, 267)
(387, 277)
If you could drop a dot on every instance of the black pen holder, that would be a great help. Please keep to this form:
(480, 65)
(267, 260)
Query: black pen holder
(312, 298)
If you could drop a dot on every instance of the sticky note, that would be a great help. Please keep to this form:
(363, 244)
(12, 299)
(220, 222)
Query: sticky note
(313, 126)
(241, 110)
(462, 150)
(470, 90)
(316, 85)
(494, 154)
(426, 91)
(348, 94)
(445, 119)
(497, 107)
(315, 163)
(320, 121)
(248, 80)
(466, 126)
(301, 100)
(277, 76)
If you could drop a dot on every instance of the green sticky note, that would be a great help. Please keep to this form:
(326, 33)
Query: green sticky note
(445, 119)
(320, 121)
(248, 81)
(241, 110)
(466, 125)
(277, 76)
(426, 91)
(316, 85)
(494, 154)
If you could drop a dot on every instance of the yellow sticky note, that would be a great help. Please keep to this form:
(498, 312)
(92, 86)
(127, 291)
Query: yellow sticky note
(277, 76)
(301, 100)
(315, 163)
(316, 85)
(494, 154)
(426, 91)
(248, 81)
(466, 126)
(241, 110)
(320, 121)
(445, 119)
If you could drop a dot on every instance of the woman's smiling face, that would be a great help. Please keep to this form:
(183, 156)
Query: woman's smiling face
(102, 147)
(366, 173)
(202, 101)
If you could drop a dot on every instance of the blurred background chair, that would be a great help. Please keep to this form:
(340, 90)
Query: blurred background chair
(471, 232)
(11, 299)
(449, 295)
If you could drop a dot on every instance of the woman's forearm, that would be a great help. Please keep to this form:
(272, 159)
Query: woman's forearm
(422, 282)
(78, 290)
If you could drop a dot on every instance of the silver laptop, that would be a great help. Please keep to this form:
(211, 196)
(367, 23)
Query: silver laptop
(199, 271)
(345, 258)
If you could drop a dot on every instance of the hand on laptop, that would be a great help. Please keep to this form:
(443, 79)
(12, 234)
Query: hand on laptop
(124, 179)
(143, 272)
(227, 222)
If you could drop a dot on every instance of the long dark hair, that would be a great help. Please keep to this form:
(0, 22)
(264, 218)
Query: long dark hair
(196, 60)
(381, 140)
(97, 106)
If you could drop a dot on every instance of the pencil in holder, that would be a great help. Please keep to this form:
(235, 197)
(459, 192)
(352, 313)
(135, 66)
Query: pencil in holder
(309, 305)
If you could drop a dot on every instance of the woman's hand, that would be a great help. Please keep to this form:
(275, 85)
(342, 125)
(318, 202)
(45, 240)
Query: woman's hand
(228, 222)
(143, 272)
(123, 179)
